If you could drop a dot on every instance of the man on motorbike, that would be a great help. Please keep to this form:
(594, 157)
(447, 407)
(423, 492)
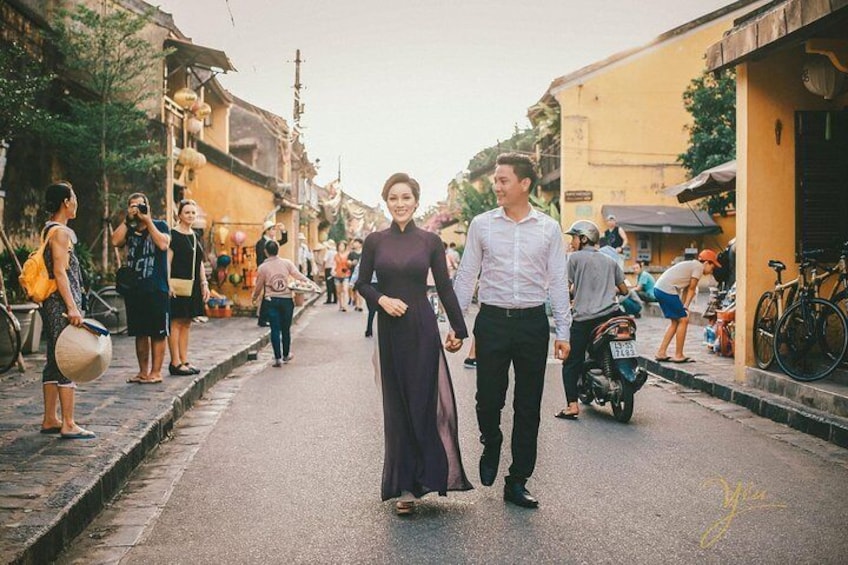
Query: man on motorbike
(595, 280)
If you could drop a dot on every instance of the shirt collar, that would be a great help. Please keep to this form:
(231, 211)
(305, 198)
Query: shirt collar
(533, 215)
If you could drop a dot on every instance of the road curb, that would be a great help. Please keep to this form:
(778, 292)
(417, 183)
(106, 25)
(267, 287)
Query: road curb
(72, 520)
(824, 426)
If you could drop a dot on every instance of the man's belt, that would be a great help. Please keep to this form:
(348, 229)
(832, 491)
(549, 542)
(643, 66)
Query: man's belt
(498, 312)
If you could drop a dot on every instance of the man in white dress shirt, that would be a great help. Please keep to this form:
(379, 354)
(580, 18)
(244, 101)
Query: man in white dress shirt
(518, 255)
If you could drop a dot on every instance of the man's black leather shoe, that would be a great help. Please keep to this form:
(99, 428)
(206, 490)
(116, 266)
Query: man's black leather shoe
(489, 464)
(517, 494)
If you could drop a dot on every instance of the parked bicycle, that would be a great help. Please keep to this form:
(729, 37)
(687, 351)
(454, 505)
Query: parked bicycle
(10, 338)
(107, 307)
(805, 334)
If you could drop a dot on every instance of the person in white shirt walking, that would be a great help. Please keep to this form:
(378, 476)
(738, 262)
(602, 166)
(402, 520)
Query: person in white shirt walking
(518, 255)
(684, 278)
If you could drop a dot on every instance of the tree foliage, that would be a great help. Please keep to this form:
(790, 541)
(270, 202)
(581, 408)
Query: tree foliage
(22, 83)
(523, 140)
(105, 133)
(338, 231)
(711, 100)
(473, 202)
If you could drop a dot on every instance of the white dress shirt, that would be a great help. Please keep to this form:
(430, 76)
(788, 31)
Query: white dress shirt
(519, 265)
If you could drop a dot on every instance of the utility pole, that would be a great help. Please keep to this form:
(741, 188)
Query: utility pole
(299, 107)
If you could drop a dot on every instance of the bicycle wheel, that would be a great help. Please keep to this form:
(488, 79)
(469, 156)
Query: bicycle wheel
(840, 298)
(765, 319)
(10, 340)
(810, 339)
(108, 307)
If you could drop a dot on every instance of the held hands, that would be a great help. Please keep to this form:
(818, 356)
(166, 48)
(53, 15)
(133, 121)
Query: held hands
(452, 343)
(393, 306)
(561, 349)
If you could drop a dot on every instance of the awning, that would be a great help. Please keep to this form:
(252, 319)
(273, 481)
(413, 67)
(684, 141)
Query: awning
(771, 26)
(712, 181)
(662, 219)
(187, 53)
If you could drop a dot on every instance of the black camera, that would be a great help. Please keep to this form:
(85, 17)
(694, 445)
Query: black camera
(142, 208)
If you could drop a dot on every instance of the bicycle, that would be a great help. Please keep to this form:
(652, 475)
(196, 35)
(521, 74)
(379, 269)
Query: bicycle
(107, 307)
(811, 336)
(10, 339)
(839, 294)
(770, 308)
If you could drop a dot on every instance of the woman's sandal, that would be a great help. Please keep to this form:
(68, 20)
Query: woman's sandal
(179, 370)
(404, 507)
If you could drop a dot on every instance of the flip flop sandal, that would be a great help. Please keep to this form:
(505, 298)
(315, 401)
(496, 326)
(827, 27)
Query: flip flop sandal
(565, 415)
(82, 434)
(662, 359)
(55, 430)
(150, 381)
(684, 360)
(135, 379)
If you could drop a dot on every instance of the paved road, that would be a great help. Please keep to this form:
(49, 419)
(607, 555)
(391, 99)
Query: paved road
(288, 470)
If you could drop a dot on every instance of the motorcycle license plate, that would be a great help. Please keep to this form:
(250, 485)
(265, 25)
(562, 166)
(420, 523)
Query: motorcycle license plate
(623, 349)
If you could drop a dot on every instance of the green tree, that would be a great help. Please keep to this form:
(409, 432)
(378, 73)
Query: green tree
(473, 202)
(22, 84)
(711, 100)
(338, 231)
(522, 140)
(106, 134)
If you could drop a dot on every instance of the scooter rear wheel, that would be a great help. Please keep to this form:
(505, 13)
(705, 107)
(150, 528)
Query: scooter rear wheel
(622, 407)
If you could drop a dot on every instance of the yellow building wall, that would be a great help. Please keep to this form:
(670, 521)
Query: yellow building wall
(234, 204)
(218, 132)
(624, 126)
(767, 90)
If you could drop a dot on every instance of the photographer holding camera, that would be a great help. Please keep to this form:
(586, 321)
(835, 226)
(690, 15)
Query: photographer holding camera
(146, 293)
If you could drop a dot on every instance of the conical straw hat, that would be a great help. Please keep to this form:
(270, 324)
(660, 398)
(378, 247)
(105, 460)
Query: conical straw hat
(84, 353)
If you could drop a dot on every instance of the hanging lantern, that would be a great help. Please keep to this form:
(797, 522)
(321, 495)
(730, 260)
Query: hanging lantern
(186, 156)
(194, 126)
(821, 77)
(201, 110)
(200, 161)
(185, 97)
(223, 232)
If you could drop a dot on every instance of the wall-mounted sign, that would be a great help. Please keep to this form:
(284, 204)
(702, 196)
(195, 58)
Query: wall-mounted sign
(578, 195)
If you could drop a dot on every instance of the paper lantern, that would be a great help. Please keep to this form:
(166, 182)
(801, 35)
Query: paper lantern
(221, 276)
(185, 97)
(194, 126)
(201, 110)
(235, 278)
(822, 78)
(223, 232)
(187, 156)
(238, 237)
(223, 261)
(83, 354)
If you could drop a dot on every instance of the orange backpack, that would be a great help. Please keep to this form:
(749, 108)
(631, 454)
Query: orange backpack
(34, 279)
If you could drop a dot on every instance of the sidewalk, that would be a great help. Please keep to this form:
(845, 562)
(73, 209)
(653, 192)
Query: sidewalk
(819, 408)
(51, 488)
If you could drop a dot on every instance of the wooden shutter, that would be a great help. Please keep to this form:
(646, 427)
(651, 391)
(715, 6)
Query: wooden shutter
(821, 180)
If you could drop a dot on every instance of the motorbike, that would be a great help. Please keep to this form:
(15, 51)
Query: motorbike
(611, 373)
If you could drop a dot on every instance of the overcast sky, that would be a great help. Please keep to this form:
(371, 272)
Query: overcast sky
(415, 86)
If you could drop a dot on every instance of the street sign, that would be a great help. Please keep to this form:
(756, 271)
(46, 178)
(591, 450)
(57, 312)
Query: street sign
(578, 195)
